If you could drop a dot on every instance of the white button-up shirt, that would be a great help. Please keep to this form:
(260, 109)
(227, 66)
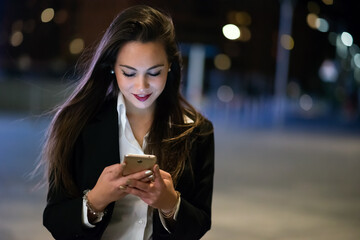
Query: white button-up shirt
(132, 218)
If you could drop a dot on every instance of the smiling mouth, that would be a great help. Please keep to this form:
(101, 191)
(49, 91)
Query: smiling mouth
(142, 97)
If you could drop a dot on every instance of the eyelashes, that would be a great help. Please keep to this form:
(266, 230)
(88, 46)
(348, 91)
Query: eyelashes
(155, 74)
(128, 75)
(133, 74)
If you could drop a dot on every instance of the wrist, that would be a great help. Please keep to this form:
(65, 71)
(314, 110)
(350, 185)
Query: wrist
(168, 213)
(93, 210)
(95, 203)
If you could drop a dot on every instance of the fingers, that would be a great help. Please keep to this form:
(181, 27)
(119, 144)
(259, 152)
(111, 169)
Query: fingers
(157, 174)
(115, 169)
(148, 179)
(139, 187)
(143, 186)
(139, 175)
(145, 176)
(160, 175)
(121, 168)
(136, 192)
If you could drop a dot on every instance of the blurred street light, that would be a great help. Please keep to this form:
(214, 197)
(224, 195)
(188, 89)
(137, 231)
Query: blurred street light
(231, 31)
(347, 39)
(47, 15)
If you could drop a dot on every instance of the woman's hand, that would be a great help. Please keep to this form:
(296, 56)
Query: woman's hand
(111, 186)
(159, 193)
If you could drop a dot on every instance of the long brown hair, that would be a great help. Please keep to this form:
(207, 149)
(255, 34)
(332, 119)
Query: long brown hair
(169, 141)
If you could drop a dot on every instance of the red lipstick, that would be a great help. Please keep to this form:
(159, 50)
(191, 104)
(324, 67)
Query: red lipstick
(142, 97)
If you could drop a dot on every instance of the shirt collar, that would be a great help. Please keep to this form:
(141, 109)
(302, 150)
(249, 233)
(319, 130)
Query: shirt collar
(121, 109)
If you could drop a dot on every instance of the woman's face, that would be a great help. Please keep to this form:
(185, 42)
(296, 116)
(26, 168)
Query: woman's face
(141, 71)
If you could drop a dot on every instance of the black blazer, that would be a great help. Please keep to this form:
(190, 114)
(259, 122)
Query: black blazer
(98, 147)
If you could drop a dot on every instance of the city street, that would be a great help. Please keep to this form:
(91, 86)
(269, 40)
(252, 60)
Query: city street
(269, 184)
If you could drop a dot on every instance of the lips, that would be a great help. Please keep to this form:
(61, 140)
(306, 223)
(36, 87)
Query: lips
(142, 97)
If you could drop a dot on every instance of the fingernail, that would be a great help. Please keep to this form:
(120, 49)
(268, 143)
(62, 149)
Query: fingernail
(128, 182)
(148, 172)
(157, 167)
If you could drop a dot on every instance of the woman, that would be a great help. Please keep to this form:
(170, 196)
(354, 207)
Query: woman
(128, 101)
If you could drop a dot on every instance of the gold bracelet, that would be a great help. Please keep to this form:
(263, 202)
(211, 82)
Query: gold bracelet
(171, 213)
(90, 208)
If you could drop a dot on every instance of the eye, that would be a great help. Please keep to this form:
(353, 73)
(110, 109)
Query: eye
(155, 74)
(128, 74)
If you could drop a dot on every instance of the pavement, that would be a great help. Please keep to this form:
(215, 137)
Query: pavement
(269, 183)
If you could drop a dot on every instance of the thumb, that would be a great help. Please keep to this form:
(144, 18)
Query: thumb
(121, 168)
(156, 171)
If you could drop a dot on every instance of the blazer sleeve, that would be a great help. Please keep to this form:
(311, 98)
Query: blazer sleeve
(196, 188)
(63, 214)
(96, 147)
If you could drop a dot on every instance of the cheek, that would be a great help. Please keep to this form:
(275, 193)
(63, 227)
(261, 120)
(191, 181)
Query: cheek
(161, 83)
(122, 84)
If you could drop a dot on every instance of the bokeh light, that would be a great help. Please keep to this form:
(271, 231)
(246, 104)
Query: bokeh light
(222, 62)
(328, 71)
(341, 48)
(322, 25)
(346, 39)
(306, 102)
(357, 60)
(311, 20)
(76, 46)
(47, 15)
(24, 62)
(225, 93)
(231, 31)
(16, 39)
(328, 2)
(287, 42)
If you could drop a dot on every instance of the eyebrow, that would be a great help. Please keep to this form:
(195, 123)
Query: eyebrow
(132, 68)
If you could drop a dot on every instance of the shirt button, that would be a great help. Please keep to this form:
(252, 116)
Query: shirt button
(141, 222)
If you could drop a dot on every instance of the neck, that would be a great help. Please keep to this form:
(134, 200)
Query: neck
(136, 112)
(140, 122)
(139, 114)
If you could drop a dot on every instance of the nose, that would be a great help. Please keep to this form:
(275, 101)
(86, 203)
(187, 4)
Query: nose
(142, 82)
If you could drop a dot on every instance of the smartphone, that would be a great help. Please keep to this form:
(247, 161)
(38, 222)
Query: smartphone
(138, 162)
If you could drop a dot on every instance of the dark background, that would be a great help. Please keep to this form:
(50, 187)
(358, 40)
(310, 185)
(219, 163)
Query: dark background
(199, 21)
